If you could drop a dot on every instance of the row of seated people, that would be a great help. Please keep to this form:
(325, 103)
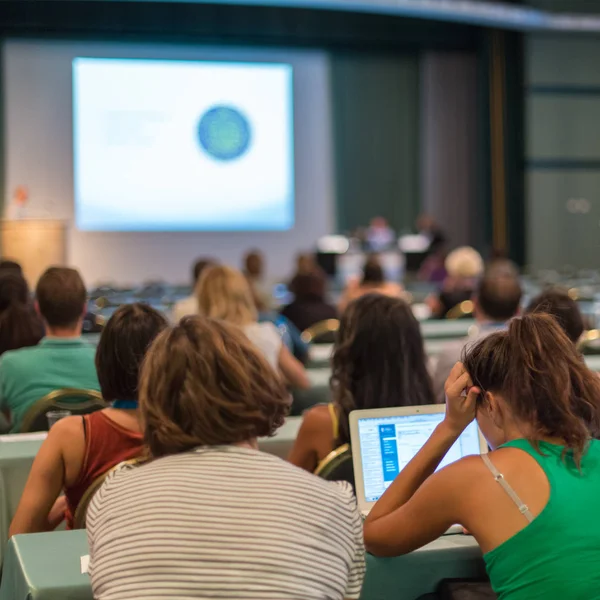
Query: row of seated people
(361, 328)
(206, 514)
(42, 348)
(379, 359)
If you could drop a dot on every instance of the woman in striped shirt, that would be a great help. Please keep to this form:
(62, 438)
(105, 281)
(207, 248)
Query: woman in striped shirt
(211, 516)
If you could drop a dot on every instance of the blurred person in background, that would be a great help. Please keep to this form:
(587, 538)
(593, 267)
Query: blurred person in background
(378, 361)
(189, 306)
(20, 325)
(427, 226)
(10, 265)
(309, 305)
(62, 359)
(379, 235)
(559, 305)
(305, 263)
(464, 267)
(254, 270)
(234, 522)
(373, 281)
(497, 300)
(79, 449)
(224, 293)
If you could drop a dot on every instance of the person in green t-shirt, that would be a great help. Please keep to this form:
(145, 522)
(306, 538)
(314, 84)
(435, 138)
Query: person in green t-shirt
(62, 359)
(531, 503)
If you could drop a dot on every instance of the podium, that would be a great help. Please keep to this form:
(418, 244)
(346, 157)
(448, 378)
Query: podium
(34, 243)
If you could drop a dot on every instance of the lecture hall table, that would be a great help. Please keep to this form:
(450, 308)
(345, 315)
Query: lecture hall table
(47, 566)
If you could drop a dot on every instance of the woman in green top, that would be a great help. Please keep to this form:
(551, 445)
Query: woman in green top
(533, 506)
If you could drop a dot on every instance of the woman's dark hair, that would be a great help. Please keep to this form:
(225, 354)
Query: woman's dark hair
(379, 360)
(539, 374)
(308, 286)
(558, 304)
(373, 272)
(20, 326)
(203, 383)
(122, 347)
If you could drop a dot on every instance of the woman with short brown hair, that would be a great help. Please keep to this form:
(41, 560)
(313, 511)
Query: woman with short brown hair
(211, 515)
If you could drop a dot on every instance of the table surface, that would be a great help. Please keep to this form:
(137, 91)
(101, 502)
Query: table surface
(409, 577)
(46, 566)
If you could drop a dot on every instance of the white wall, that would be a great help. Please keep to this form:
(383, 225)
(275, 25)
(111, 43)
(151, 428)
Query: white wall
(39, 155)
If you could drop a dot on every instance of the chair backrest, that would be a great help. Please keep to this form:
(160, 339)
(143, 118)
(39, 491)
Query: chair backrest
(321, 332)
(81, 511)
(78, 402)
(337, 465)
(589, 343)
(462, 310)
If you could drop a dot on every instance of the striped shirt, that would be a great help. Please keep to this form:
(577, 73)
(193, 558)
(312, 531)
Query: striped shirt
(224, 522)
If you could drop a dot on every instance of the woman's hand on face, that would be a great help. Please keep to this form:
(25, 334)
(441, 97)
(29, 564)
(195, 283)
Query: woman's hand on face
(461, 399)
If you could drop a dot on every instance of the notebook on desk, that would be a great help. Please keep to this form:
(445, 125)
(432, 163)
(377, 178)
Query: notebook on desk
(384, 441)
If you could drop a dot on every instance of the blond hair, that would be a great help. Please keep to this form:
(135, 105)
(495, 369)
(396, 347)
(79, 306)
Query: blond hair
(224, 293)
(464, 262)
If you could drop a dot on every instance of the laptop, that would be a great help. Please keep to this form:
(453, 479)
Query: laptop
(384, 440)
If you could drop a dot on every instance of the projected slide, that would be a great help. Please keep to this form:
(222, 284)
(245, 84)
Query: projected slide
(178, 145)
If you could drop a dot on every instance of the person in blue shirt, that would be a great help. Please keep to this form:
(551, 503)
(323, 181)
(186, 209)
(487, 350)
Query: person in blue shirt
(62, 359)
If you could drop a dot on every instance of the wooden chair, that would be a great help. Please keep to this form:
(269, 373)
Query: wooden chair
(81, 510)
(324, 331)
(462, 310)
(337, 465)
(83, 402)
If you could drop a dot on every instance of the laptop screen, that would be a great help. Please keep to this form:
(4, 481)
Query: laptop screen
(387, 444)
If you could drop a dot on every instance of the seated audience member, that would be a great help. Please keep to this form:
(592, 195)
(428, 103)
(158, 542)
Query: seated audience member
(189, 306)
(224, 293)
(305, 264)
(372, 282)
(497, 300)
(80, 449)
(531, 503)
(20, 325)
(464, 267)
(234, 522)
(254, 270)
(62, 359)
(10, 266)
(309, 305)
(378, 361)
(563, 308)
(380, 236)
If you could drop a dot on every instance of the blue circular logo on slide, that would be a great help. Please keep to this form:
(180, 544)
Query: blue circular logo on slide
(224, 133)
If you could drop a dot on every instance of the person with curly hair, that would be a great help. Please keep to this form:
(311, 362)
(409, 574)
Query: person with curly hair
(378, 361)
(210, 515)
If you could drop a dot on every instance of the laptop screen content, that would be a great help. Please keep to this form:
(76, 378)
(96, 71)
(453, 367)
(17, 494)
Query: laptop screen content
(387, 444)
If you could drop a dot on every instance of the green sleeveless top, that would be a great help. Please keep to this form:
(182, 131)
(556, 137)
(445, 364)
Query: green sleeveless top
(556, 556)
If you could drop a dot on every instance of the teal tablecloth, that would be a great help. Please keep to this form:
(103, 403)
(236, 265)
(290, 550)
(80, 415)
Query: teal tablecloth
(410, 576)
(446, 329)
(45, 566)
(16, 458)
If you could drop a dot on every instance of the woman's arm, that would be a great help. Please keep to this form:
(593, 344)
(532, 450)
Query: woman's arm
(419, 506)
(45, 482)
(315, 430)
(292, 369)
